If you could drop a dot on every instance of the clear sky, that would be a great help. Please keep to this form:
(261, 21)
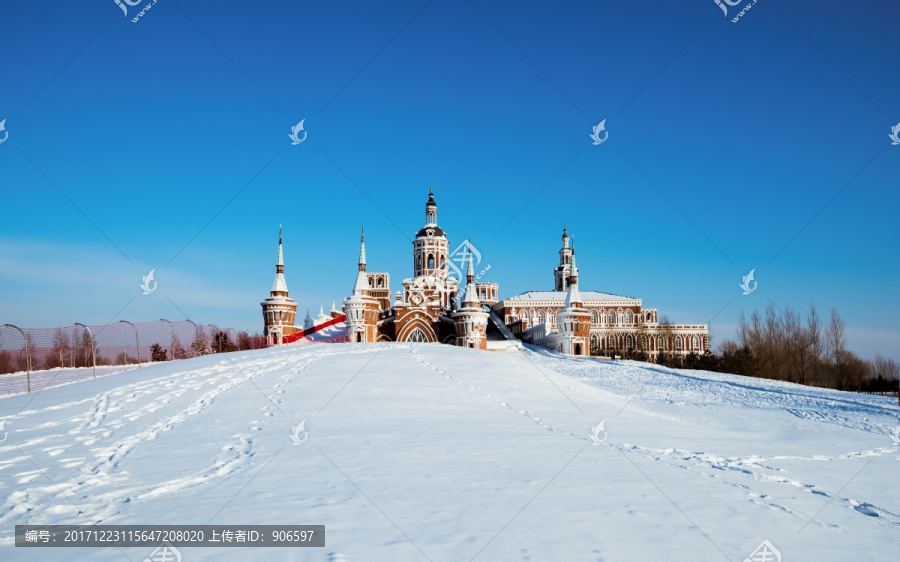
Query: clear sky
(761, 144)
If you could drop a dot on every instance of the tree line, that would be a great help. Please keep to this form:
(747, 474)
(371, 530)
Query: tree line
(69, 350)
(786, 345)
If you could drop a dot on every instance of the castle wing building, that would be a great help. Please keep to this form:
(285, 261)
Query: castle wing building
(618, 324)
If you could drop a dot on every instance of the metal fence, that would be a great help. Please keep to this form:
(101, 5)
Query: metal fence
(32, 359)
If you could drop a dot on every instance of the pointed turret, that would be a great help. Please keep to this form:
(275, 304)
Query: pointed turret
(470, 319)
(573, 297)
(573, 321)
(470, 296)
(361, 309)
(279, 310)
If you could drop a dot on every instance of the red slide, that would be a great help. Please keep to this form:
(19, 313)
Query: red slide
(300, 335)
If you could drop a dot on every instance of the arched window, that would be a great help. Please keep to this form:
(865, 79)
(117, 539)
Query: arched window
(593, 317)
(678, 345)
(419, 262)
(629, 318)
(381, 282)
(661, 343)
(629, 342)
(611, 342)
(430, 261)
(612, 316)
(565, 259)
(541, 317)
(695, 343)
(417, 335)
(593, 341)
(442, 261)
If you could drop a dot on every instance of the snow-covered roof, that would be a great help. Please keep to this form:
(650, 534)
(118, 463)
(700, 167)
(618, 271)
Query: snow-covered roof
(561, 296)
(279, 284)
(361, 284)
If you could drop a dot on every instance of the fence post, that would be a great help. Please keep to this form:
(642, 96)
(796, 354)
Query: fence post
(93, 349)
(136, 341)
(27, 357)
(172, 331)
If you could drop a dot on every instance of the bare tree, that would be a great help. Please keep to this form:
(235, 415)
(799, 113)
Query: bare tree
(814, 335)
(837, 352)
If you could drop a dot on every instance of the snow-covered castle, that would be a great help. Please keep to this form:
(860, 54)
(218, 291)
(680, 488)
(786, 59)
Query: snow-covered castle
(431, 307)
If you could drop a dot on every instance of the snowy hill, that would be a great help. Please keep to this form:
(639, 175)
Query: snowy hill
(417, 452)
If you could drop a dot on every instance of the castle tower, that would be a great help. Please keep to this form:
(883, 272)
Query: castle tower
(430, 248)
(563, 270)
(470, 319)
(360, 307)
(279, 310)
(574, 321)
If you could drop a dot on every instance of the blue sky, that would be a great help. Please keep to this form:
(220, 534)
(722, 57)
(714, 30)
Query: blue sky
(732, 146)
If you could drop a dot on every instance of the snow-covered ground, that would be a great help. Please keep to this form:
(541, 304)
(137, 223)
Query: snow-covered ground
(17, 383)
(418, 452)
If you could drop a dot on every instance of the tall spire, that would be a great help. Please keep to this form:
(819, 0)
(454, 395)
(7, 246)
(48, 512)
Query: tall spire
(361, 286)
(279, 285)
(573, 297)
(279, 265)
(362, 248)
(565, 236)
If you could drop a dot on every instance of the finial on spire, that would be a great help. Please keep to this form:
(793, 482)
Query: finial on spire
(279, 234)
